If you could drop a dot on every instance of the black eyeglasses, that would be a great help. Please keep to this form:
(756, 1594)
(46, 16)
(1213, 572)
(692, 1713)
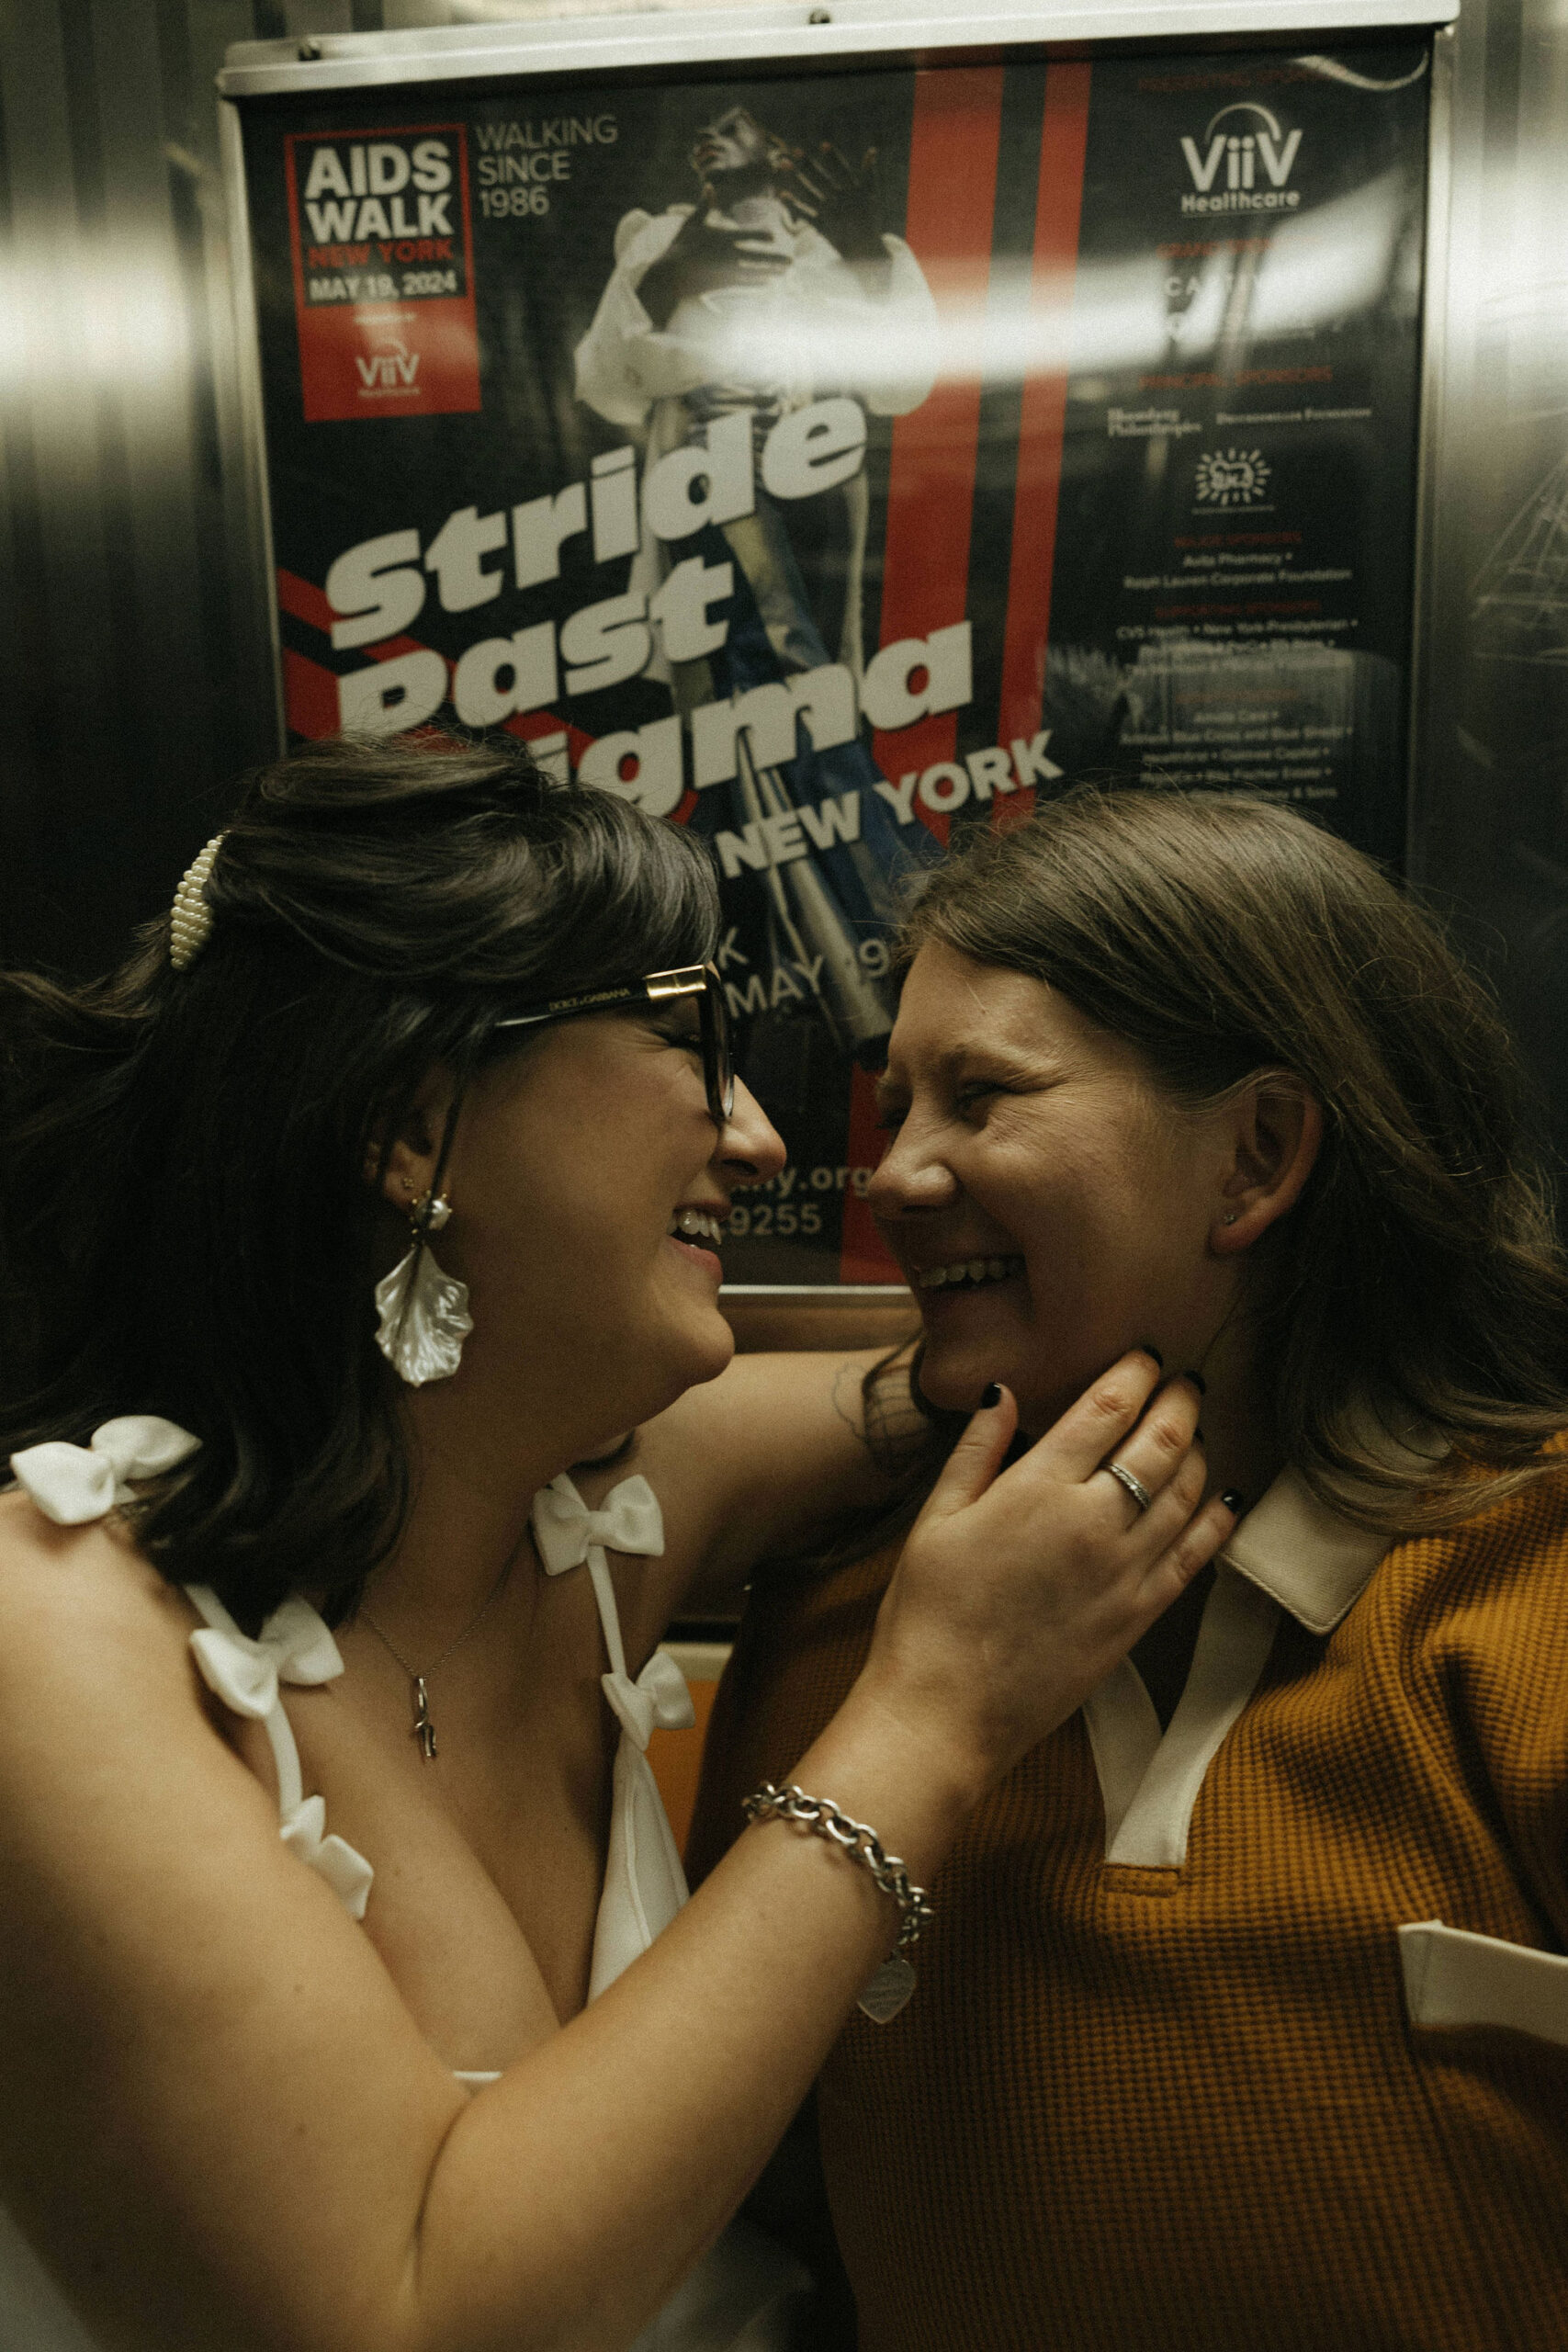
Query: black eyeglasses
(701, 980)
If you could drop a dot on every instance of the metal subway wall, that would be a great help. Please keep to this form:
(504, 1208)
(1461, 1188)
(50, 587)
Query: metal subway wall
(1489, 819)
(133, 602)
(131, 598)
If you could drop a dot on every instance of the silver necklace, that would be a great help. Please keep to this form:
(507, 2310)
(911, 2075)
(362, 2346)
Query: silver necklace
(423, 1730)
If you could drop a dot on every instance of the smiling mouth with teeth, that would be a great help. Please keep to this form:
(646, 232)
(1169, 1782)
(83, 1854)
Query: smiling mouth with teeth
(969, 1274)
(695, 1225)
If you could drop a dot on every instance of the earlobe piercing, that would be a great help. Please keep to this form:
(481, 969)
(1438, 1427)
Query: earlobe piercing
(1229, 1217)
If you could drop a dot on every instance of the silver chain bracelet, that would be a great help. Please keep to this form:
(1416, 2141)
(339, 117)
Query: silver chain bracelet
(895, 1980)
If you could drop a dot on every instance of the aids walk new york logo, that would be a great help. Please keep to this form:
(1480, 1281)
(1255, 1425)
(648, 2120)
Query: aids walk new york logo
(1243, 163)
(382, 255)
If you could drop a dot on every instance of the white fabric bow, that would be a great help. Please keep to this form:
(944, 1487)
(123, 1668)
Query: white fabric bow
(658, 1696)
(348, 1874)
(566, 1531)
(644, 1883)
(294, 1646)
(567, 1534)
(71, 1483)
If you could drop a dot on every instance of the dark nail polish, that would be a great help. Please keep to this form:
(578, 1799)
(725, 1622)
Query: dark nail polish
(1199, 1383)
(1232, 1500)
(1150, 1350)
(990, 1395)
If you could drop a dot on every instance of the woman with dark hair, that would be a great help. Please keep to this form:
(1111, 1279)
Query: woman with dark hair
(370, 1199)
(1245, 2021)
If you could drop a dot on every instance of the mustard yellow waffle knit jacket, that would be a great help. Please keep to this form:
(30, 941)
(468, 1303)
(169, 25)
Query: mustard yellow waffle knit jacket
(1190, 2068)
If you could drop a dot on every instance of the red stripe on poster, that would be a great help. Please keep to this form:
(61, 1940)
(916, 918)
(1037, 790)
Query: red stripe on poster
(303, 601)
(953, 145)
(863, 1256)
(1043, 424)
(538, 726)
(388, 649)
(309, 696)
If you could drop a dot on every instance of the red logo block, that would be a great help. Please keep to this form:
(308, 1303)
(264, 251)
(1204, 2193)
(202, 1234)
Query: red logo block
(382, 252)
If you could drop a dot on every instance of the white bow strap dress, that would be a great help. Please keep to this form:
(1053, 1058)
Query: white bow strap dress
(742, 2295)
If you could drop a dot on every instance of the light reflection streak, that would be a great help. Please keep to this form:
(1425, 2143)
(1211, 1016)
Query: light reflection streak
(1330, 262)
(73, 322)
(1110, 316)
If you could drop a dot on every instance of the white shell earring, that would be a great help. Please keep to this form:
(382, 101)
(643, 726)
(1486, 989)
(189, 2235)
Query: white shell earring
(424, 1312)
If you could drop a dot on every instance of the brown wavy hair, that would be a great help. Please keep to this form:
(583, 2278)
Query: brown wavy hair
(1418, 1285)
(186, 1227)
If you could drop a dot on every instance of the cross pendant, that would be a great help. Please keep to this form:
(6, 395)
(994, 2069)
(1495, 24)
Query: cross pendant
(423, 1729)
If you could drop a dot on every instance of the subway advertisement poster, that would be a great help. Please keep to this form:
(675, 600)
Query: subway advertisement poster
(835, 464)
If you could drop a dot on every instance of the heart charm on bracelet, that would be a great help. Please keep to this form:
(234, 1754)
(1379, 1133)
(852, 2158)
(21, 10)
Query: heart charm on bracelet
(889, 1990)
(895, 1980)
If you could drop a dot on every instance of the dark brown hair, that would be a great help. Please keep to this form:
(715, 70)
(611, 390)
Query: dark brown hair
(185, 1225)
(1417, 1285)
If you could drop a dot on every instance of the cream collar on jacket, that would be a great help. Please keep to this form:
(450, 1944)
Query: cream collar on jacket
(1303, 1555)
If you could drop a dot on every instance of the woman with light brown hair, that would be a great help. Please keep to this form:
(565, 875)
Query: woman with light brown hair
(1245, 2020)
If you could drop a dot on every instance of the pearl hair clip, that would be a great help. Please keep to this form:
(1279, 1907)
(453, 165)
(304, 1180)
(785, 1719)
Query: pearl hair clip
(190, 919)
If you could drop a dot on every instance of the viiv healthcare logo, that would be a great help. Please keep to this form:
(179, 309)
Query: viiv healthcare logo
(1232, 476)
(390, 367)
(1254, 138)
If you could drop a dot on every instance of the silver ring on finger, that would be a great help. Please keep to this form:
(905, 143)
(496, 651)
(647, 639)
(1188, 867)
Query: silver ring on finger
(1134, 1486)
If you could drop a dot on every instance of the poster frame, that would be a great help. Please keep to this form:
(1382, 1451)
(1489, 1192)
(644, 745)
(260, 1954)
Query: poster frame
(860, 34)
(789, 34)
(253, 423)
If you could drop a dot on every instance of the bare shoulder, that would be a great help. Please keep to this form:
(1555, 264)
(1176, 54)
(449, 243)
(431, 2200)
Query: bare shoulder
(97, 1687)
(76, 1602)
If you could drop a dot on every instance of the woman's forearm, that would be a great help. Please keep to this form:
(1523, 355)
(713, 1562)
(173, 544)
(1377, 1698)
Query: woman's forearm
(574, 2195)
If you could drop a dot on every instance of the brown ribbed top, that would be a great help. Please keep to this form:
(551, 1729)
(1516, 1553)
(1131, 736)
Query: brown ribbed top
(1183, 2109)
